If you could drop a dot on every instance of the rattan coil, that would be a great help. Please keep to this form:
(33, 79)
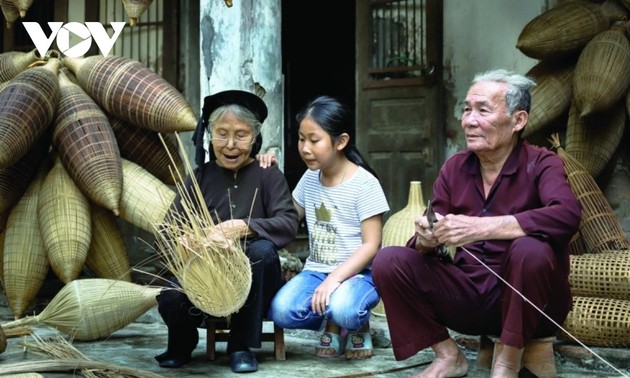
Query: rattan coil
(127, 90)
(87, 145)
(107, 256)
(135, 8)
(562, 30)
(64, 221)
(27, 107)
(593, 140)
(599, 226)
(602, 322)
(12, 63)
(602, 72)
(25, 264)
(605, 275)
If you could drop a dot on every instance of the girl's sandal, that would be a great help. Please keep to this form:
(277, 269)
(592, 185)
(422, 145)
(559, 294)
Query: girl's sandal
(359, 345)
(330, 342)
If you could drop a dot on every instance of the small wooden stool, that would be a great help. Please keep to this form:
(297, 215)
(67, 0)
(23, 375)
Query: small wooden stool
(538, 356)
(218, 330)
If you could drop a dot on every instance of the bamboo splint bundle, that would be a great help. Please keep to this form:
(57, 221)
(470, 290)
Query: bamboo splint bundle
(599, 226)
(93, 308)
(211, 266)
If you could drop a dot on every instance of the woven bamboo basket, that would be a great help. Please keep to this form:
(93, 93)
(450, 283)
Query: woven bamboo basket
(127, 90)
(599, 226)
(551, 97)
(93, 308)
(14, 180)
(562, 30)
(12, 63)
(602, 72)
(87, 145)
(135, 8)
(604, 275)
(65, 223)
(27, 107)
(25, 264)
(145, 148)
(576, 245)
(3, 341)
(145, 199)
(593, 140)
(23, 6)
(107, 256)
(2, 234)
(601, 322)
(10, 12)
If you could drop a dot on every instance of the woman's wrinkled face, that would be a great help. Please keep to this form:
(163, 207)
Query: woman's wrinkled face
(316, 147)
(232, 141)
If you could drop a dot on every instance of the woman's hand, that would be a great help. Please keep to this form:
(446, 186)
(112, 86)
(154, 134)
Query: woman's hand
(266, 160)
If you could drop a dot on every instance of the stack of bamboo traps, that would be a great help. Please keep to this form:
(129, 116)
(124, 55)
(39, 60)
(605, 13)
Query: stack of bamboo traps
(81, 156)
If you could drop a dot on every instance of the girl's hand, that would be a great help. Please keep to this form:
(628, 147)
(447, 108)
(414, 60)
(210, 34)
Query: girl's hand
(321, 296)
(266, 160)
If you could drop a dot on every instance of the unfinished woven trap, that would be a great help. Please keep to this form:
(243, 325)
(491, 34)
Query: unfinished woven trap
(605, 275)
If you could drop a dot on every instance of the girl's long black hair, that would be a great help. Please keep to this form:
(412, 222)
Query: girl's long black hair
(335, 118)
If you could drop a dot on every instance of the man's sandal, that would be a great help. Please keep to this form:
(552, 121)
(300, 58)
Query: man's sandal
(330, 342)
(360, 344)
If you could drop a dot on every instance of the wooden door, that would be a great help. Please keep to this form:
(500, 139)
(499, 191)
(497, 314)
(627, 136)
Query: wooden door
(399, 124)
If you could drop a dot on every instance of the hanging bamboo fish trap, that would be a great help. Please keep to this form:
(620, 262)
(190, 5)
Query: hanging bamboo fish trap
(27, 107)
(551, 97)
(127, 90)
(601, 322)
(10, 12)
(604, 275)
(599, 226)
(25, 264)
(23, 6)
(107, 256)
(593, 140)
(87, 145)
(64, 221)
(602, 72)
(144, 147)
(562, 31)
(135, 9)
(145, 199)
(12, 63)
(93, 308)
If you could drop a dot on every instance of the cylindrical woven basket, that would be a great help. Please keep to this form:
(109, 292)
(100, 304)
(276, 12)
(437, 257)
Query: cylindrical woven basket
(599, 226)
(551, 97)
(601, 322)
(562, 30)
(64, 221)
(13, 63)
(605, 275)
(602, 72)
(25, 264)
(135, 8)
(87, 145)
(93, 308)
(132, 92)
(144, 147)
(107, 256)
(145, 199)
(10, 12)
(593, 140)
(27, 107)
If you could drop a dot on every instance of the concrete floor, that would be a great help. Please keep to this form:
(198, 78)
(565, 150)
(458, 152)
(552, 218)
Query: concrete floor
(135, 345)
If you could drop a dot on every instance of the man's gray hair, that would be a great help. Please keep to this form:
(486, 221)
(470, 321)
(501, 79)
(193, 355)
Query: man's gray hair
(517, 95)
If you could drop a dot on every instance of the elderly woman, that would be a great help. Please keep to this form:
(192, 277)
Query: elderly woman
(245, 198)
(508, 208)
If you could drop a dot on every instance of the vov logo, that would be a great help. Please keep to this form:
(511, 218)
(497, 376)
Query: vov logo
(61, 32)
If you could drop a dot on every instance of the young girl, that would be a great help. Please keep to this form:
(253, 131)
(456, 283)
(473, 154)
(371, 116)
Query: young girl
(344, 204)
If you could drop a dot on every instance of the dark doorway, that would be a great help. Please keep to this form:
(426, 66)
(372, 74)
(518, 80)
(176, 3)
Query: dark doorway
(318, 55)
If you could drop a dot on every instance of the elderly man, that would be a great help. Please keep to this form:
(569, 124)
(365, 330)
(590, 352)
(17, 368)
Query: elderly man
(508, 208)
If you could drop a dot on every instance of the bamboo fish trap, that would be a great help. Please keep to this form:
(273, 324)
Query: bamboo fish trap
(562, 31)
(135, 8)
(127, 90)
(599, 226)
(27, 107)
(64, 221)
(87, 145)
(10, 12)
(25, 264)
(604, 275)
(93, 308)
(107, 256)
(23, 6)
(12, 63)
(602, 72)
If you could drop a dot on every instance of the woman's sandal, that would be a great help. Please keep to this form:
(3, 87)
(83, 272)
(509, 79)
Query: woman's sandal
(330, 341)
(360, 344)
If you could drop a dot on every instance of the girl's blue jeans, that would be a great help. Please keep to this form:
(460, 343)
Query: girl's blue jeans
(349, 306)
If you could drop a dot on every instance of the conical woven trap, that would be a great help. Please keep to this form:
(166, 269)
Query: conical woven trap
(400, 225)
(13, 63)
(135, 8)
(107, 256)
